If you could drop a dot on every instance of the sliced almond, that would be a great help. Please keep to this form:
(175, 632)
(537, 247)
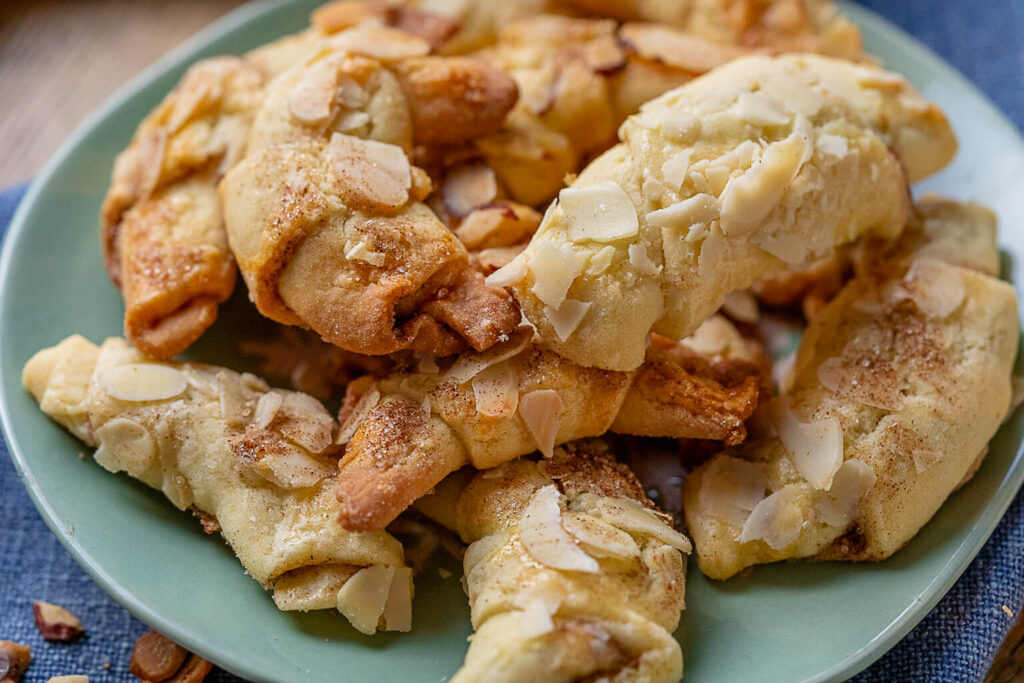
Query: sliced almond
(510, 274)
(750, 197)
(266, 409)
(467, 187)
(496, 391)
(470, 364)
(554, 268)
(775, 520)
(567, 317)
(380, 42)
(676, 169)
(398, 608)
(310, 100)
(303, 420)
(602, 212)
(363, 597)
(373, 175)
(600, 261)
(540, 411)
(936, 288)
(641, 261)
(360, 251)
(124, 446)
(632, 516)
(364, 406)
(816, 448)
(731, 488)
(700, 208)
(838, 506)
(544, 538)
(141, 382)
(599, 538)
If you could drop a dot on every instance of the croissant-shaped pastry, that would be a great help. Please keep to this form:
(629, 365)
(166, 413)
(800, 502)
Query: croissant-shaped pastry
(578, 79)
(254, 463)
(572, 573)
(163, 237)
(325, 213)
(898, 385)
(407, 432)
(779, 25)
(717, 184)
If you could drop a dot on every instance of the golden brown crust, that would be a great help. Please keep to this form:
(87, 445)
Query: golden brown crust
(161, 229)
(386, 467)
(667, 395)
(325, 213)
(453, 99)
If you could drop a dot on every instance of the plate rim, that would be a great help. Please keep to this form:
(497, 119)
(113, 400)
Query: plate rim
(180, 56)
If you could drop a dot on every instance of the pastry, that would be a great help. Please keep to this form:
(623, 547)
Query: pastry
(163, 238)
(572, 573)
(405, 433)
(761, 164)
(325, 212)
(255, 464)
(899, 383)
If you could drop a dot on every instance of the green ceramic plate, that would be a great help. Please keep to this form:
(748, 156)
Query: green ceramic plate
(781, 623)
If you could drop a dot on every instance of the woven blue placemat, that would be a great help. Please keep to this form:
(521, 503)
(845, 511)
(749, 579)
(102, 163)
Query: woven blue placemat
(955, 642)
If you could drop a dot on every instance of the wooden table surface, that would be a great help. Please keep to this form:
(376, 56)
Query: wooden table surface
(59, 59)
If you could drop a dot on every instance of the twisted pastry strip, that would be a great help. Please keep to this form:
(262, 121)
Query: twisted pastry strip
(163, 239)
(779, 25)
(761, 163)
(325, 213)
(407, 432)
(572, 573)
(254, 463)
(899, 383)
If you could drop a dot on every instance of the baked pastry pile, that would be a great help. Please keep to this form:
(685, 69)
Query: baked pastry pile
(521, 229)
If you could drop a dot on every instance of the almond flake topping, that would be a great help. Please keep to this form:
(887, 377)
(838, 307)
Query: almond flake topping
(775, 520)
(601, 212)
(816, 448)
(540, 411)
(641, 261)
(544, 538)
(496, 391)
(838, 506)
(469, 364)
(700, 208)
(509, 274)
(731, 488)
(468, 187)
(140, 382)
(554, 268)
(398, 608)
(632, 516)
(364, 596)
(373, 174)
(380, 42)
(599, 538)
(358, 251)
(266, 409)
(310, 100)
(600, 261)
(936, 288)
(567, 317)
(749, 198)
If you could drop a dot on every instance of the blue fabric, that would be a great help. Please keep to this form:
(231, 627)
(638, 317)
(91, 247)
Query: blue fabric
(955, 642)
